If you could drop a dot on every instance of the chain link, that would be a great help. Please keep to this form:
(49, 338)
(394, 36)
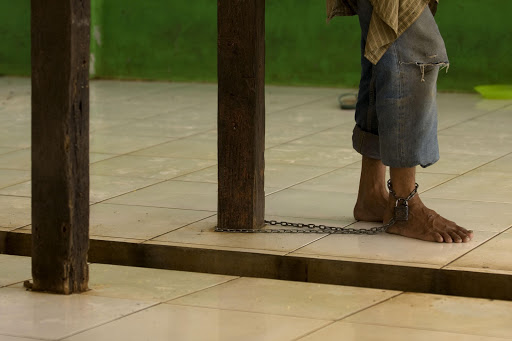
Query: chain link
(310, 228)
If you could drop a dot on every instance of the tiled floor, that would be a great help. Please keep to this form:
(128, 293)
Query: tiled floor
(153, 173)
(127, 303)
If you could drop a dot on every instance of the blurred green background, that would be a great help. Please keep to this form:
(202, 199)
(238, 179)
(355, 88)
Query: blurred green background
(176, 40)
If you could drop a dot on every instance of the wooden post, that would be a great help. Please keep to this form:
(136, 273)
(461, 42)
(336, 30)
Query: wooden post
(60, 145)
(241, 120)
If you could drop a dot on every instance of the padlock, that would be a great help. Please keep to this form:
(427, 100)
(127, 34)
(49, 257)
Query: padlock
(401, 210)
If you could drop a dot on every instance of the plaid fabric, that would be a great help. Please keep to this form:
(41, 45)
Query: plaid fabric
(389, 20)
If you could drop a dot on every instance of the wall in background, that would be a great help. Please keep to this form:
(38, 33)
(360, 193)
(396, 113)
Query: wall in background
(176, 40)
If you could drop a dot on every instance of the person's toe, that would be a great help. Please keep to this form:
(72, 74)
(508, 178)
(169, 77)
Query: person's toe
(455, 237)
(446, 237)
(466, 235)
(437, 237)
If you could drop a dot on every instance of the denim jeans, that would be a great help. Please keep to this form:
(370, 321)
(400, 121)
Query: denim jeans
(396, 112)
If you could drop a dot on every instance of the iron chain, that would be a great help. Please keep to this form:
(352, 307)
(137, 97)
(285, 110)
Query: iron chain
(310, 228)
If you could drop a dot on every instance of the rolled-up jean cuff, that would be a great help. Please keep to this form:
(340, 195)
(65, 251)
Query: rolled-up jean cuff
(365, 143)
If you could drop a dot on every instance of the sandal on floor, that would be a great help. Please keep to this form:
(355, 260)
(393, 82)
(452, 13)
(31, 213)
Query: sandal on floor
(348, 101)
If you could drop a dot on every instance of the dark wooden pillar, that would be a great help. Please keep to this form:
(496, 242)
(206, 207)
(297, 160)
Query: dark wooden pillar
(241, 121)
(60, 145)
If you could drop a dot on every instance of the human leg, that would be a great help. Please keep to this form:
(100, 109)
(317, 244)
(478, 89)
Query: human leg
(423, 223)
(372, 194)
(404, 84)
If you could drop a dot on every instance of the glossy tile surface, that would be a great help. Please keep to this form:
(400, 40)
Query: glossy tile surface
(322, 156)
(183, 148)
(145, 133)
(276, 175)
(442, 313)
(476, 186)
(495, 255)
(14, 212)
(139, 222)
(148, 167)
(312, 204)
(287, 298)
(144, 284)
(14, 269)
(346, 180)
(103, 187)
(369, 332)
(390, 249)
(30, 314)
(202, 233)
(473, 215)
(128, 303)
(17, 159)
(121, 144)
(171, 322)
(174, 194)
(14, 338)
(9, 177)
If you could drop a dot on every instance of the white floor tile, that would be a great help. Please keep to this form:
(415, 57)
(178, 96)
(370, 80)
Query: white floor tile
(442, 313)
(169, 322)
(148, 167)
(495, 255)
(10, 177)
(37, 315)
(18, 159)
(144, 284)
(174, 194)
(309, 300)
(138, 222)
(312, 204)
(476, 186)
(369, 332)
(320, 156)
(390, 248)
(191, 147)
(202, 233)
(121, 144)
(14, 212)
(14, 269)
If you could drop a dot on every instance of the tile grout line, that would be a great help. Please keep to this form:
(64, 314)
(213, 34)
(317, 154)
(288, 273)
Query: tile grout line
(15, 184)
(110, 321)
(246, 311)
(448, 331)
(477, 247)
(313, 241)
(179, 228)
(203, 289)
(188, 172)
(163, 207)
(311, 332)
(21, 227)
(469, 171)
(322, 98)
(476, 117)
(373, 305)
(308, 243)
(302, 181)
(25, 337)
(304, 136)
(351, 314)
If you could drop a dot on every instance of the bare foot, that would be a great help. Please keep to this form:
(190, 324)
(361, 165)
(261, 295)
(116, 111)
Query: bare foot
(370, 207)
(426, 224)
(372, 197)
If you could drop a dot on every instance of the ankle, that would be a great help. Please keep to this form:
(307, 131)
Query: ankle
(403, 181)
